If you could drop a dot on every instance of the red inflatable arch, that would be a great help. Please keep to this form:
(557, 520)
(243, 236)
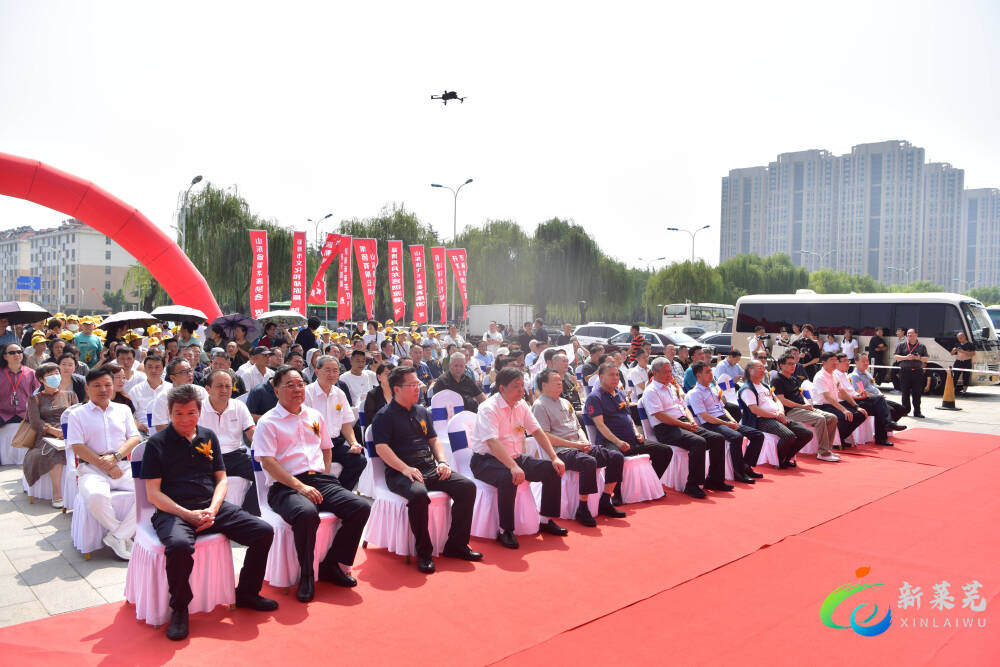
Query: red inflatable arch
(38, 182)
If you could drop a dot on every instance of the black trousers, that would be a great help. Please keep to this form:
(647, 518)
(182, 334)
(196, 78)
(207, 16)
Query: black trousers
(462, 491)
(844, 427)
(961, 379)
(895, 409)
(612, 460)
(354, 464)
(734, 434)
(878, 374)
(178, 537)
(659, 454)
(303, 516)
(878, 408)
(238, 465)
(792, 436)
(734, 410)
(911, 384)
(696, 444)
(487, 468)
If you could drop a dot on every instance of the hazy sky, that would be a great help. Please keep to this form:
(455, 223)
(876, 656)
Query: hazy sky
(620, 116)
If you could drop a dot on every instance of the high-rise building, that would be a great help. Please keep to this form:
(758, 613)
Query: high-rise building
(980, 246)
(744, 207)
(75, 262)
(801, 207)
(942, 230)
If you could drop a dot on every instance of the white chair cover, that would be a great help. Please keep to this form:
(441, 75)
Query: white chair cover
(213, 579)
(729, 393)
(445, 404)
(769, 451)
(389, 523)
(639, 481)
(40, 490)
(676, 474)
(486, 516)
(865, 433)
(282, 560)
(10, 455)
(69, 470)
(87, 532)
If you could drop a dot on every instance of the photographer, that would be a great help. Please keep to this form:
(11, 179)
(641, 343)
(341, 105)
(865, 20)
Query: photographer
(760, 339)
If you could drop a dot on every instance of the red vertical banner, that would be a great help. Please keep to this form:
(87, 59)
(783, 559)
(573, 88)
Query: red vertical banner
(396, 280)
(260, 298)
(367, 254)
(317, 292)
(441, 280)
(298, 273)
(419, 284)
(461, 269)
(345, 286)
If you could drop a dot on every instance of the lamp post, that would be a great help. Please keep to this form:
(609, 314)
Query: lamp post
(319, 248)
(454, 236)
(649, 262)
(184, 209)
(691, 233)
(905, 272)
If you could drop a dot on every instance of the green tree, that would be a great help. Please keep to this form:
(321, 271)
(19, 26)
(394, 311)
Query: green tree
(691, 281)
(989, 296)
(917, 286)
(140, 285)
(114, 300)
(825, 281)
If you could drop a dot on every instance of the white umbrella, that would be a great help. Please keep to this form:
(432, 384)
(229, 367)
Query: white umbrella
(131, 319)
(22, 312)
(282, 318)
(178, 314)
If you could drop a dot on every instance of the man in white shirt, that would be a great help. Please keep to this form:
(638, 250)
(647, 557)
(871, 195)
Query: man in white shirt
(326, 397)
(493, 339)
(359, 380)
(256, 371)
(293, 447)
(502, 424)
(103, 434)
(146, 392)
(230, 420)
(829, 396)
(125, 356)
(670, 352)
(179, 372)
(765, 413)
(874, 405)
(453, 337)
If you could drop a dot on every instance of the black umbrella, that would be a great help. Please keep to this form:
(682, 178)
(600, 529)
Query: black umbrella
(229, 322)
(22, 312)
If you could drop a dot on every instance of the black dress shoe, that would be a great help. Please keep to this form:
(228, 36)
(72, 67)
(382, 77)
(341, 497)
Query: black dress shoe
(335, 575)
(508, 539)
(894, 426)
(753, 473)
(918, 415)
(616, 499)
(694, 491)
(306, 589)
(178, 628)
(257, 603)
(553, 528)
(584, 517)
(786, 464)
(425, 565)
(606, 508)
(718, 486)
(884, 443)
(745, 479)
(462, 553)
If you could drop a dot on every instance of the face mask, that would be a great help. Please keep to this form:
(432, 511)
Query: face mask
(72, 327)
(53, 380)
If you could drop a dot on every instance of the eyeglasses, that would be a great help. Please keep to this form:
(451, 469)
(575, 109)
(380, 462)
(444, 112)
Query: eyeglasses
(15, 351)
(410, 385)
(185, 371)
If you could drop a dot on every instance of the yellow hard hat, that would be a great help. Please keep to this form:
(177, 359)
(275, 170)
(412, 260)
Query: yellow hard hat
(37, 338)
(66, 335)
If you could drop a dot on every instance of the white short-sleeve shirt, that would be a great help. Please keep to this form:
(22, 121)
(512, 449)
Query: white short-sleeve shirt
(663, 398)
(510, 424)
(159, 407)
(228, 425)
(143, 396)
(296, 441)
(765, 398)
(252, 376)
(334, 407)
(824, 382)
(103, 431)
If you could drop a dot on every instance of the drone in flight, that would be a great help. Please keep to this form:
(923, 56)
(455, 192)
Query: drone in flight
(448, 95)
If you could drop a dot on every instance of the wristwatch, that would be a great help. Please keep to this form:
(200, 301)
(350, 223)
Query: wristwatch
(118, 456)
(444, 463)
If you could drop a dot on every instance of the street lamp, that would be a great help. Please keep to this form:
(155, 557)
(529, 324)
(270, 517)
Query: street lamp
(319, 247)
(184, 209)
(649, 262)
(905, 272)
(687, 231)
(454, 234)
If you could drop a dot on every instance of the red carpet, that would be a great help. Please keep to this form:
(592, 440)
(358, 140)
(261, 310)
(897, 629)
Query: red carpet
(690, 576)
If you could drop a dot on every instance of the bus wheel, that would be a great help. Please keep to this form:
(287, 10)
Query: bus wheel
(938, 377)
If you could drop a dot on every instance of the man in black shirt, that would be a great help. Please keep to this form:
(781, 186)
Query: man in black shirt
(405, 440)
(810, 350)
(307, 336)
(566, 336)
(911, 356)
(876, 354)
(963, 353)
(788, 390)
(539, 333)
(524, 338)
(593, 363)
(456, 380)
(186, 482)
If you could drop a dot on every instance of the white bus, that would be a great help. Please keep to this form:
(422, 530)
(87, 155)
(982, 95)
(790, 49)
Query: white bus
(708, 316)
(994, 312)
(937, 317)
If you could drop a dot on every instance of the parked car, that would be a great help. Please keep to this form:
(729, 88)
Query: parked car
(693, 332)
(598, 332)
(720, 342)
(657, 338)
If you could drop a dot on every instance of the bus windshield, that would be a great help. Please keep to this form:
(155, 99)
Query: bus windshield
(980, 325)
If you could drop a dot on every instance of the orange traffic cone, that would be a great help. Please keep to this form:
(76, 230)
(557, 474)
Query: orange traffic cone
(948, 397)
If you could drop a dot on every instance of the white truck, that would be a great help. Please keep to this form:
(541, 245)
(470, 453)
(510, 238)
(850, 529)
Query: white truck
(513, 314)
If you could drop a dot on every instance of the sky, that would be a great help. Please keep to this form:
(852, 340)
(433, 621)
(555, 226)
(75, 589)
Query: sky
(622, 117)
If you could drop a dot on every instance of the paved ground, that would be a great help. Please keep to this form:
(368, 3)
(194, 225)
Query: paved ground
(42, 574)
